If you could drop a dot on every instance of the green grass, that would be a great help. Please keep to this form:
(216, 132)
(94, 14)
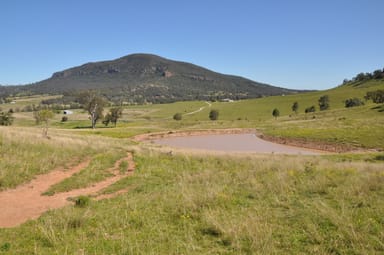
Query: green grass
(358, 127)
(222, 205)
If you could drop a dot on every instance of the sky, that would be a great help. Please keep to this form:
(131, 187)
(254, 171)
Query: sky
(298, 44)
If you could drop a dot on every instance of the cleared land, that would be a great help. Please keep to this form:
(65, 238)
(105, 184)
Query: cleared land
(185, 203)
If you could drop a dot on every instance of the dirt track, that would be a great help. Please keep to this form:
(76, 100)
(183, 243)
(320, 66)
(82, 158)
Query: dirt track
(27, 202)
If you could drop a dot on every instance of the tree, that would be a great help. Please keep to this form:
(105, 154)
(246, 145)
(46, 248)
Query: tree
(43, 116)
(378, 74)
(213, 114)
(177, 116)
(6, 118)
(94, 104)
(295, 107)
(324, 102)
(113, 115)
(275, 113)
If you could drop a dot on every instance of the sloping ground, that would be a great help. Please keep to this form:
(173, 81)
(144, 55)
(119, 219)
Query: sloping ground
(28, 202)
(143, 76)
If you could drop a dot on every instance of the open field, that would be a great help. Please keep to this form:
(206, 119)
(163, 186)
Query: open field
(184, 203)
(253, 204)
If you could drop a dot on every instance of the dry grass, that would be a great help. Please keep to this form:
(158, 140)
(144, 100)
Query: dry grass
(186, 204)
(24, 153)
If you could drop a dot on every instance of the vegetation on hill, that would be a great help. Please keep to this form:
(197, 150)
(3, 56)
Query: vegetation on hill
(363, 77)
(141, 78)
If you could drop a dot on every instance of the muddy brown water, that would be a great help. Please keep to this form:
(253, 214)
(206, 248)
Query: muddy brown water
(248, 143)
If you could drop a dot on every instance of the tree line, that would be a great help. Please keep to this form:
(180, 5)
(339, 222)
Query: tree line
(375, 75)
(376, 96)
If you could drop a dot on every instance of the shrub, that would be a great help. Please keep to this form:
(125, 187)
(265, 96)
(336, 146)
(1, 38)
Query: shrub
(5, 247)
(6, 119)
(213, 114)
(64, 119)
(310, 109)
(376, 96)
(177, 116)
(352, 102)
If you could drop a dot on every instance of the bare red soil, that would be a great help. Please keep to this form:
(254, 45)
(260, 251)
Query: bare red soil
(26, 201)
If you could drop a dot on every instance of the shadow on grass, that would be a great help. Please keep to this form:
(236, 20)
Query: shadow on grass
(90, 127)
(379, 108)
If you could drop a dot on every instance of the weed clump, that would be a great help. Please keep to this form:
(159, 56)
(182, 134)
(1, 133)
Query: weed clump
(82, 201)
(5, 247)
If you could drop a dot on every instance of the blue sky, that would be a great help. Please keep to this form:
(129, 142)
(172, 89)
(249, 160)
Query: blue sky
(302, 44)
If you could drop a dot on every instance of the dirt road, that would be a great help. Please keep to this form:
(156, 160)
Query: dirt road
(27, 202)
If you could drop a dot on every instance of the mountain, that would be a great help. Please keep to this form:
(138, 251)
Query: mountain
(145, 77)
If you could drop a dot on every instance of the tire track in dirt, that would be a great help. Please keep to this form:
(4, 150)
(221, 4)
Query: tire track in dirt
(26, 201)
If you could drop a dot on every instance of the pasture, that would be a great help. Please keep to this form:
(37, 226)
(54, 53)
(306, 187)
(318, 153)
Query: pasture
(185, 203)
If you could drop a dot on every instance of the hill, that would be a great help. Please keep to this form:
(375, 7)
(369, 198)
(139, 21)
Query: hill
(144, 77)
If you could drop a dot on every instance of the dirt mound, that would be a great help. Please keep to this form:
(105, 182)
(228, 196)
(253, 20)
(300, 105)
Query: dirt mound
(27, 202)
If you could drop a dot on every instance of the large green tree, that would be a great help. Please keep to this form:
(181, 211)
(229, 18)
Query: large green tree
(94, 104)
(324, 102)
(275, 113)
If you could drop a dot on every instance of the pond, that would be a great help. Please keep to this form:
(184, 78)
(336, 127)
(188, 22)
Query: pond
(248, 143)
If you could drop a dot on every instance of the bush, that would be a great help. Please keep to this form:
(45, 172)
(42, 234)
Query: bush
(6, 119)
(352, 102)
(376, 96)
(64, 119)
(5, 247)
(310, 109)
(213, 114)
(177, 116)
